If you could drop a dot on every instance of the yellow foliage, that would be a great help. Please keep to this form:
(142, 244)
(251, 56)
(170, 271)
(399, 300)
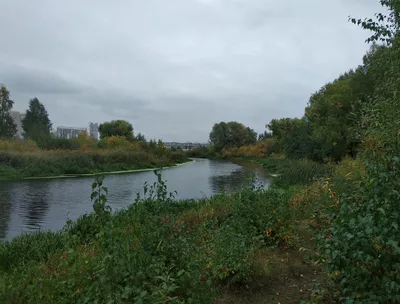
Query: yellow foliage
(350, 168)
(259, 150)
(18, 146)
(85, 142)
(307, 195)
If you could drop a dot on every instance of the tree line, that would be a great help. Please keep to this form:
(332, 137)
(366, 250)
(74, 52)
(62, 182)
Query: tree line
(37, 126)
(333, 121)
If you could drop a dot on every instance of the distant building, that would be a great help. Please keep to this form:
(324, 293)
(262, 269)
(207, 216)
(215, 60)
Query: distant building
(69, 132)
(18, 117)
(94, 130)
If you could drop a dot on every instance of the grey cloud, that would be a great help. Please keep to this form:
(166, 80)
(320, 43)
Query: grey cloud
(173, 68)
(27, 80)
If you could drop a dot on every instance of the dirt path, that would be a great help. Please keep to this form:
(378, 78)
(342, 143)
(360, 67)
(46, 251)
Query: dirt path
(291, 277)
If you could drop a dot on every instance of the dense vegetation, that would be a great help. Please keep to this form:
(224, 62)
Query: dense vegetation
(21, 159)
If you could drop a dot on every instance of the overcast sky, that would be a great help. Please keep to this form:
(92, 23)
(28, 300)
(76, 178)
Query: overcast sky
(173, 68)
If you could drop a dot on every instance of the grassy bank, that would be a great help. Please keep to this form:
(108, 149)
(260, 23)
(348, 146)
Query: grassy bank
(290, 171)
(33, 162)
(254, 246)
(163, 251)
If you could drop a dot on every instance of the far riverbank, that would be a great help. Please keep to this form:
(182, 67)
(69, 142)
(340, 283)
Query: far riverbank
(66, 164)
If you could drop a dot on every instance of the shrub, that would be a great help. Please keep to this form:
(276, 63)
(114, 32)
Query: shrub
(301, 172)
(260, 149)
(18, 145)
(309, 200)
(113, 142)
(54, 143)
(33, 247)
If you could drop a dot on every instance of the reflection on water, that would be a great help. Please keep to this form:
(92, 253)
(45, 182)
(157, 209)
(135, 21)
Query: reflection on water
(36, 204)
(47, 204)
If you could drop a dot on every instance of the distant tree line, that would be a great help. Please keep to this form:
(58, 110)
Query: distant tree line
(37, 126)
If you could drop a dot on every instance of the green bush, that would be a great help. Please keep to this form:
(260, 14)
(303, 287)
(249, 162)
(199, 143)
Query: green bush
(297, 172)
(33, 247)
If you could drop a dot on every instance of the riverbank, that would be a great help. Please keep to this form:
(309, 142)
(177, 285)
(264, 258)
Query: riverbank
(107, 173)
(63, 164)
(218, 249)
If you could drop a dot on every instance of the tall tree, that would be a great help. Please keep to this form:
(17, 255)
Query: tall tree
(333, 114)
(231, 134)
(116, 128)
(362, 240)
(293, 137)
(8, 128)
(36, 123)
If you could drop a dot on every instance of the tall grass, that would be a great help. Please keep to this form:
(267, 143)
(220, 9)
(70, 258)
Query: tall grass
(27, 248)
(301, 172)
(24, 159)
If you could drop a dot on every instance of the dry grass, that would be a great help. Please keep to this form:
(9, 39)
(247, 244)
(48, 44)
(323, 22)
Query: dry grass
(18, 146)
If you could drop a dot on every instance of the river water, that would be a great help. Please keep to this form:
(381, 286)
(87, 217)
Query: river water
(31, 205)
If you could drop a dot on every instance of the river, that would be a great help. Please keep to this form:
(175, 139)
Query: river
(30, 205)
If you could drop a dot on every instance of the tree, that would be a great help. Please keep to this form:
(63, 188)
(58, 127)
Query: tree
(293, 137)
(140, 137)
(36, 123)
(231, 134)
(386, 27)
(8, 128)
(116, 128)
(361, 243)
(329, 112)
(334, 113)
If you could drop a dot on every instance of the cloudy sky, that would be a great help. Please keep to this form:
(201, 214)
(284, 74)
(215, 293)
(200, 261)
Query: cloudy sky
(173, 68)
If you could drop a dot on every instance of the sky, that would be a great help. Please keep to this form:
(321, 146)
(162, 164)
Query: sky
(173, 68)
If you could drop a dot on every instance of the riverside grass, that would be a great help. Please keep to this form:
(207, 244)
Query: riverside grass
(40, 163)
(158, 250)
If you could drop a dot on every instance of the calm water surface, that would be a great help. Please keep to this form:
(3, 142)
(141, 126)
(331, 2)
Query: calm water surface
(47, 204)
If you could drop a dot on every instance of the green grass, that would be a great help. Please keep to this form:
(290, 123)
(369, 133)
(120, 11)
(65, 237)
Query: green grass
(156, 251)
(17, 165)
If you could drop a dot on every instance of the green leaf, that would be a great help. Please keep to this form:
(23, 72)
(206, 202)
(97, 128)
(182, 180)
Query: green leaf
(394, 244)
